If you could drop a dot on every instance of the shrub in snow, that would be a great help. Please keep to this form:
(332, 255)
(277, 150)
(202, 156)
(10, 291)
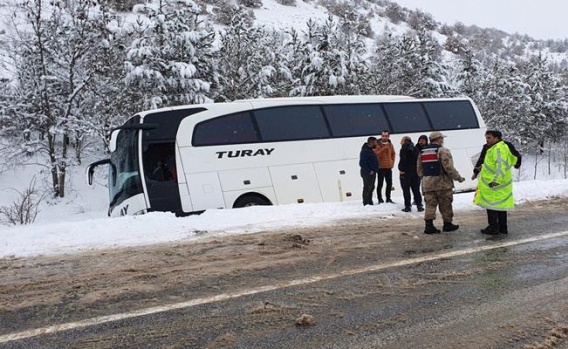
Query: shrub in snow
(124, 5)
(395, 13)
(24, 209)
(419, 20)
(225, 14)
(287, 2)
(250, 3)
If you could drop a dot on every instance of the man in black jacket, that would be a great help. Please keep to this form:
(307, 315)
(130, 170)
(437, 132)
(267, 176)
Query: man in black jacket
(369, 167)
(409, 180)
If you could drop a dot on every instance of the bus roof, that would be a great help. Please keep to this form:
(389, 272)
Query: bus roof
(330, 99)
(290, 100)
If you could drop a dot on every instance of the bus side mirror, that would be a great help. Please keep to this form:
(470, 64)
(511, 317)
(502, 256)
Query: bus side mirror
(112, 142)
(91, 169)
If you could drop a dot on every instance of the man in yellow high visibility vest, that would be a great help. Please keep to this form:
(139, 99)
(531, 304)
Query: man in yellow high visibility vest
(495, 184)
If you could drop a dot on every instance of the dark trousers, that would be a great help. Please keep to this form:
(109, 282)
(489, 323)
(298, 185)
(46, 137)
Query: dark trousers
(386, 175)
(411, 183)
(498, 220)
(368, 187)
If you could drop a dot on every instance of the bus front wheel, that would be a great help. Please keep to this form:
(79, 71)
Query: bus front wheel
(251, 200)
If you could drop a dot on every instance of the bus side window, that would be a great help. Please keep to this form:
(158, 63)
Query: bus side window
(407, 117)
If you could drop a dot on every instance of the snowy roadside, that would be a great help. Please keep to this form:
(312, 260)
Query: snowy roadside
(100, 233)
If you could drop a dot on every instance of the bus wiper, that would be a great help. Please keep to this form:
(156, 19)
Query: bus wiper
(116, 196)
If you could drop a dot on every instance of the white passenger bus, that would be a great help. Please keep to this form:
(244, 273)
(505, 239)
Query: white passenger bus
(271, 151)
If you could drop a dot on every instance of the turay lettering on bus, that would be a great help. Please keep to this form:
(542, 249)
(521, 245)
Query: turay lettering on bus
(243, 153)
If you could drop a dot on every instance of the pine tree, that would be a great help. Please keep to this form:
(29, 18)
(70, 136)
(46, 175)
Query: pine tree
(409, 65)
(326, 60)
(503, 100)
(546, 116)
(246, 60)
(170, 61)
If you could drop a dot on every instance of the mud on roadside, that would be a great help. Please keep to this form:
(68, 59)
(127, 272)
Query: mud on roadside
(36, 291)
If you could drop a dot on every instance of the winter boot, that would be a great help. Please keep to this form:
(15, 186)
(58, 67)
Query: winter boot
(449, 226)
(430, 228)
(490, 230)
(420, 208)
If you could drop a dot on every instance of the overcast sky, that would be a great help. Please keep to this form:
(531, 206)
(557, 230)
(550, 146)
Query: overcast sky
(541, 19)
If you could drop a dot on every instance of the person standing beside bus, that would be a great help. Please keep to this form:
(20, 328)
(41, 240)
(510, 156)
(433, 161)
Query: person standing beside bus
(369, 167)
(422, 142)
(385, 154)
(409, 180)
(436, 167)
(495, 184)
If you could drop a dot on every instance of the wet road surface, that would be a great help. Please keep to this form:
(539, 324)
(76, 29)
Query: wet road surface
(451, 290)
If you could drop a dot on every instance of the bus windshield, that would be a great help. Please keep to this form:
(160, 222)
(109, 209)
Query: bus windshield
(124, 173)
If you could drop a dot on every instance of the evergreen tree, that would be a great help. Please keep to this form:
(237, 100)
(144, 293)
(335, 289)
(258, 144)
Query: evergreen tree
(409, 65)
(246, 60)
(503, 98)
(470, 72)
(546, 116)
(170, 61)
(326, 60)
(112, 101)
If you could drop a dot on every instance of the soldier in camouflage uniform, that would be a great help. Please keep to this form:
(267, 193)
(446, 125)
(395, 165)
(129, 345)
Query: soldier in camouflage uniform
(436, 168)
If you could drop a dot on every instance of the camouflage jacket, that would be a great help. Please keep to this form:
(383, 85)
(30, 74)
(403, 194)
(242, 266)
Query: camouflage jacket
(446, 179)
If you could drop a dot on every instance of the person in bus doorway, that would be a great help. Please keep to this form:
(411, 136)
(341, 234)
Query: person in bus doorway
(436, 167)
(385, 154)
(409, 180)
(495, 184)
(369, 167)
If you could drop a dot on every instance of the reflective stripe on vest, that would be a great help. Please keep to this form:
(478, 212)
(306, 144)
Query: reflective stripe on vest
(430, 163)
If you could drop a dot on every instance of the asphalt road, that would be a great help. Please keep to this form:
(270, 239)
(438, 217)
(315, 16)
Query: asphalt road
(402, 290)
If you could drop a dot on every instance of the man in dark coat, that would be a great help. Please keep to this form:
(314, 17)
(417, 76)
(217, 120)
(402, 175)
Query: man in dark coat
(409, 180)
(369, 167)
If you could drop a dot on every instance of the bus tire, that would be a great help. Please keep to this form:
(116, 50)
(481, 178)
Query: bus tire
(251, 200)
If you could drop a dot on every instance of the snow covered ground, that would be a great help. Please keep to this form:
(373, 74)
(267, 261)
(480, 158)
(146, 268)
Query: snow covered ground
(79, 222)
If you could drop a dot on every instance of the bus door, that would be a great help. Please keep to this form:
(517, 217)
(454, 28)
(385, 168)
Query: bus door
(159, 161)
(161, 176)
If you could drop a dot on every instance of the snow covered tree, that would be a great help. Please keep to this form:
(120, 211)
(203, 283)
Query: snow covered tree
(503, 99)
(408, 65)
(170, 61)
(246, 59)
(112, 101)
(469, 76)
(52, 48)
(326, 60)
(419, 20)
(395, 13)
(546, 116)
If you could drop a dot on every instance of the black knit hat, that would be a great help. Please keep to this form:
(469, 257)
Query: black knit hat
(424, 137)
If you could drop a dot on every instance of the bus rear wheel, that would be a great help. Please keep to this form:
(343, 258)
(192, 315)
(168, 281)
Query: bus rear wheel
(251, 200)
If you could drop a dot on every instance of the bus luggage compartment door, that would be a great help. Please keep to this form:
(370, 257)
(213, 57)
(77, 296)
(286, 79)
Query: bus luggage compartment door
(295, 184)
(205, 190)
(339, 180)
